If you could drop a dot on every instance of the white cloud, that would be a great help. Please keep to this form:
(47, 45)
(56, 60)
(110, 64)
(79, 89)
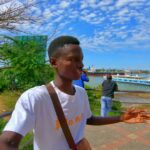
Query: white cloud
(91, 1)
(47, 13)
(105, 2)
(123, 12)
(35, 10)
(83, 5)
(126, 20)
(121, 3)
(64, 4)
(57, 19)
(73, 14)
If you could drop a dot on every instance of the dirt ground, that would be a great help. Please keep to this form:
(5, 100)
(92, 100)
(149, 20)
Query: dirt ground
(2, 105)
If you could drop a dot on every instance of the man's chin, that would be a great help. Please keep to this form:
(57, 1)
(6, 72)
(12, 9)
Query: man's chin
(77, 78)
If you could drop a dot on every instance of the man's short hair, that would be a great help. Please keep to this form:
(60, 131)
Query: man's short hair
(59, 42)
(109, 76)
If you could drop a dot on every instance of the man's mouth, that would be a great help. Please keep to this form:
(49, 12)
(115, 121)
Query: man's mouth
(79, 70)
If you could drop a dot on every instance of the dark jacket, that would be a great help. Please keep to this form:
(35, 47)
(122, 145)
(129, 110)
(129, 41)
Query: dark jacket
(108, 88)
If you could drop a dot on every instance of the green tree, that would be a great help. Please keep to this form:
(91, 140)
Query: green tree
(26, 65)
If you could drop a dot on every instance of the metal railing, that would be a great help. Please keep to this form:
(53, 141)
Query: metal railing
(5, 114)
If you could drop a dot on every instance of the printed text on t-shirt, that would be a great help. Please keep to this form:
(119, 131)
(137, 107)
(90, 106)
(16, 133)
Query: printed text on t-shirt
(70, 122)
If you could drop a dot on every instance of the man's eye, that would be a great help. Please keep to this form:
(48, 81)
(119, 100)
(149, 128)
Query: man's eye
(71, 59)
(74, 59)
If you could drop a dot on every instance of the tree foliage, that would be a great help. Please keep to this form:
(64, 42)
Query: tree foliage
(26, 65)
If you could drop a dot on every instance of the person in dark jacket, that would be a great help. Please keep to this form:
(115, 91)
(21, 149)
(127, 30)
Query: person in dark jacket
(83, 78)
(108, 89)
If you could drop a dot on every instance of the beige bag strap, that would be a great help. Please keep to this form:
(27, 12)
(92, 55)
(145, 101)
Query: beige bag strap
(61, 117)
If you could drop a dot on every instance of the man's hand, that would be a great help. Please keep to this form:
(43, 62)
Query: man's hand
(135, 116)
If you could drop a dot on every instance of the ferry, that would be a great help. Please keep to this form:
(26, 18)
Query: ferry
(131, 79)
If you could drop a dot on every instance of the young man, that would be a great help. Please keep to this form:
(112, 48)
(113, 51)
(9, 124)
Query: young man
(34, 109)
(108, 89)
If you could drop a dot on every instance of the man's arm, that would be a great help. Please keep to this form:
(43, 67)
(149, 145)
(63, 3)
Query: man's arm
(10, 140)
(95, 120)
(130, 116)
(116, 87)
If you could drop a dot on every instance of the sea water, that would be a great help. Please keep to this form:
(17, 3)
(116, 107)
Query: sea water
(95, 81)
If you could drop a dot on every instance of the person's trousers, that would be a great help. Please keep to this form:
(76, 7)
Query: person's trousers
(106, 104)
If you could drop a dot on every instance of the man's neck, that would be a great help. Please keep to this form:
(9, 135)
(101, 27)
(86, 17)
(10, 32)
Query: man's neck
(65, 86)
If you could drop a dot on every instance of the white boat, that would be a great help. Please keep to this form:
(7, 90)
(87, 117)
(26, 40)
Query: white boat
(131, 79)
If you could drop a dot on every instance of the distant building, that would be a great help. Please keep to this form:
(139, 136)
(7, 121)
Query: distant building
(92, 69)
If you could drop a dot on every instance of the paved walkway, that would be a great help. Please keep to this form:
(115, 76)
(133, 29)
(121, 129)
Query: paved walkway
(120, 136)
(137, 98)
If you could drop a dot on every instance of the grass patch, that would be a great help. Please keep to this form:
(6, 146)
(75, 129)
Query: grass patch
(9, 98)
(114, 113)
(2, 124)
(27, 142)
(116, 109)
(94, 100)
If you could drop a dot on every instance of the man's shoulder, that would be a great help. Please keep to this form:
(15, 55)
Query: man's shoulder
(105, 82)
(37, 89)
(35, 93)
(114, 82)
(81, 93)
(79, 89)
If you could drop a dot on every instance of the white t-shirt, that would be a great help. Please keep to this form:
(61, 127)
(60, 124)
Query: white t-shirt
(34, 110)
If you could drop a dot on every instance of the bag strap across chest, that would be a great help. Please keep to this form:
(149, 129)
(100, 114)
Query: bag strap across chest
(61, 117)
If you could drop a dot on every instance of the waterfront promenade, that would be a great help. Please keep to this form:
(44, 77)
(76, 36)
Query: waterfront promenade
(119, 136)
(122, 136)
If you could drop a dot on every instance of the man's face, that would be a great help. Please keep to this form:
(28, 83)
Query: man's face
(69, 65)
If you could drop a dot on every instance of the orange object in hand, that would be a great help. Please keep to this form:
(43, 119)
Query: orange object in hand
(135, 116)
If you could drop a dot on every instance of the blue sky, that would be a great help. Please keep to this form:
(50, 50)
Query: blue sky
(113, 33)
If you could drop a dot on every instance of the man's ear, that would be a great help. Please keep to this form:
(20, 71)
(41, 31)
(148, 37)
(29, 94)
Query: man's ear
(53, 62)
